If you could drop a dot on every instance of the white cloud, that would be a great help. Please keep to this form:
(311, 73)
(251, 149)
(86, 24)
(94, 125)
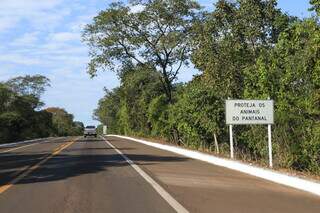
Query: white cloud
(75, 92)
(18, 59)
(5, 72)
(65, 36)
(39, 13)
(43, 37)
(80, 22)
(28, 5)
(7, 22)
(26, 40)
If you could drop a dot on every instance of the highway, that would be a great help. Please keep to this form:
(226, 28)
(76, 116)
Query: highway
(75, 174)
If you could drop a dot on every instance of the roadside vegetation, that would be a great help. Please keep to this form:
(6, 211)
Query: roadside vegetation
(244, 49)
(22, 116)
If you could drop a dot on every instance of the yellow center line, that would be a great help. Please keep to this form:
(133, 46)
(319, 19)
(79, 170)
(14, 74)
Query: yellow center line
(36, 166)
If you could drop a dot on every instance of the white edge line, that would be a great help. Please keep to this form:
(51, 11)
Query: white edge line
(294, 182)
(33, 142)
(24, 142)
(162, 192)
(20, 147)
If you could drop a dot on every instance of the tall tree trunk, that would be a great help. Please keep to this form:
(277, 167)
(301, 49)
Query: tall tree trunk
(167, 84)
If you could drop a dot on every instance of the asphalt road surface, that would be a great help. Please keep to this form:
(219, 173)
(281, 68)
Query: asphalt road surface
(93, 175)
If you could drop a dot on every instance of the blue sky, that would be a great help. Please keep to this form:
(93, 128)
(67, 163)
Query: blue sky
(43, 37)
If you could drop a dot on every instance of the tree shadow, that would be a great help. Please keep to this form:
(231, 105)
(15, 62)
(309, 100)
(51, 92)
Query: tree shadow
(95, 149)
(69, 165)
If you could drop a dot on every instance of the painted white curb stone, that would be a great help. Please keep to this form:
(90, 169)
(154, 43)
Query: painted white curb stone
(273, 176)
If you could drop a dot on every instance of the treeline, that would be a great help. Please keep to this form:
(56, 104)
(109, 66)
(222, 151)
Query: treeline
(244, 49)
(22, 116)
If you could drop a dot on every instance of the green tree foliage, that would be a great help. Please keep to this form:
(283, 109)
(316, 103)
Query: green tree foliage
(315, 6)
(140, 86)
(125, 110)
(107, 110)
(158, 116)
(198, 115)
(20, 116)
(290, 74)
(29, 85)
(246, 49)
(158, 35)
(231, 39)
(63, 124)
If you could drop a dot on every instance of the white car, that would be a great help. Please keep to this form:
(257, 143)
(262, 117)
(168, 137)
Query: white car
(90, 131)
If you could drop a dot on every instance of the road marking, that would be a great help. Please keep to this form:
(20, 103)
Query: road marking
(20, 147)
(36, 166)
(274, 176)
(33, 143)
(24, 142)
(162, 192)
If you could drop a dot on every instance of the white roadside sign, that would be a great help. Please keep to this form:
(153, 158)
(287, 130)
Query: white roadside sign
(249, 112)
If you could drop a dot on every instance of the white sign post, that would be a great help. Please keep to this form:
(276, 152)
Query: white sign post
(231, 141)
(248, 112)
(105, 130)
(270, 146)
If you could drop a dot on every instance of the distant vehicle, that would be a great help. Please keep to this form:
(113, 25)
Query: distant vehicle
(90, 131)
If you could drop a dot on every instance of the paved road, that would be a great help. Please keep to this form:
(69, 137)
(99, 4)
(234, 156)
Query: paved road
(89, 175)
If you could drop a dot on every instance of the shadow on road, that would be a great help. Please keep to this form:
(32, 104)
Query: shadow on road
(70, 163)
(92, 149)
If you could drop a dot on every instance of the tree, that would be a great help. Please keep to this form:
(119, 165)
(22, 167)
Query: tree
(29, 85)
(231, 39)
(107, 110)
(9, 119)
(6, 96)
(246, 49)
(315, 6)
(157, 36)
(125, 109)
(79, 125)
(139, 86)
(63, 123)
(290, 74)
(198, 115)
(18, 118)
